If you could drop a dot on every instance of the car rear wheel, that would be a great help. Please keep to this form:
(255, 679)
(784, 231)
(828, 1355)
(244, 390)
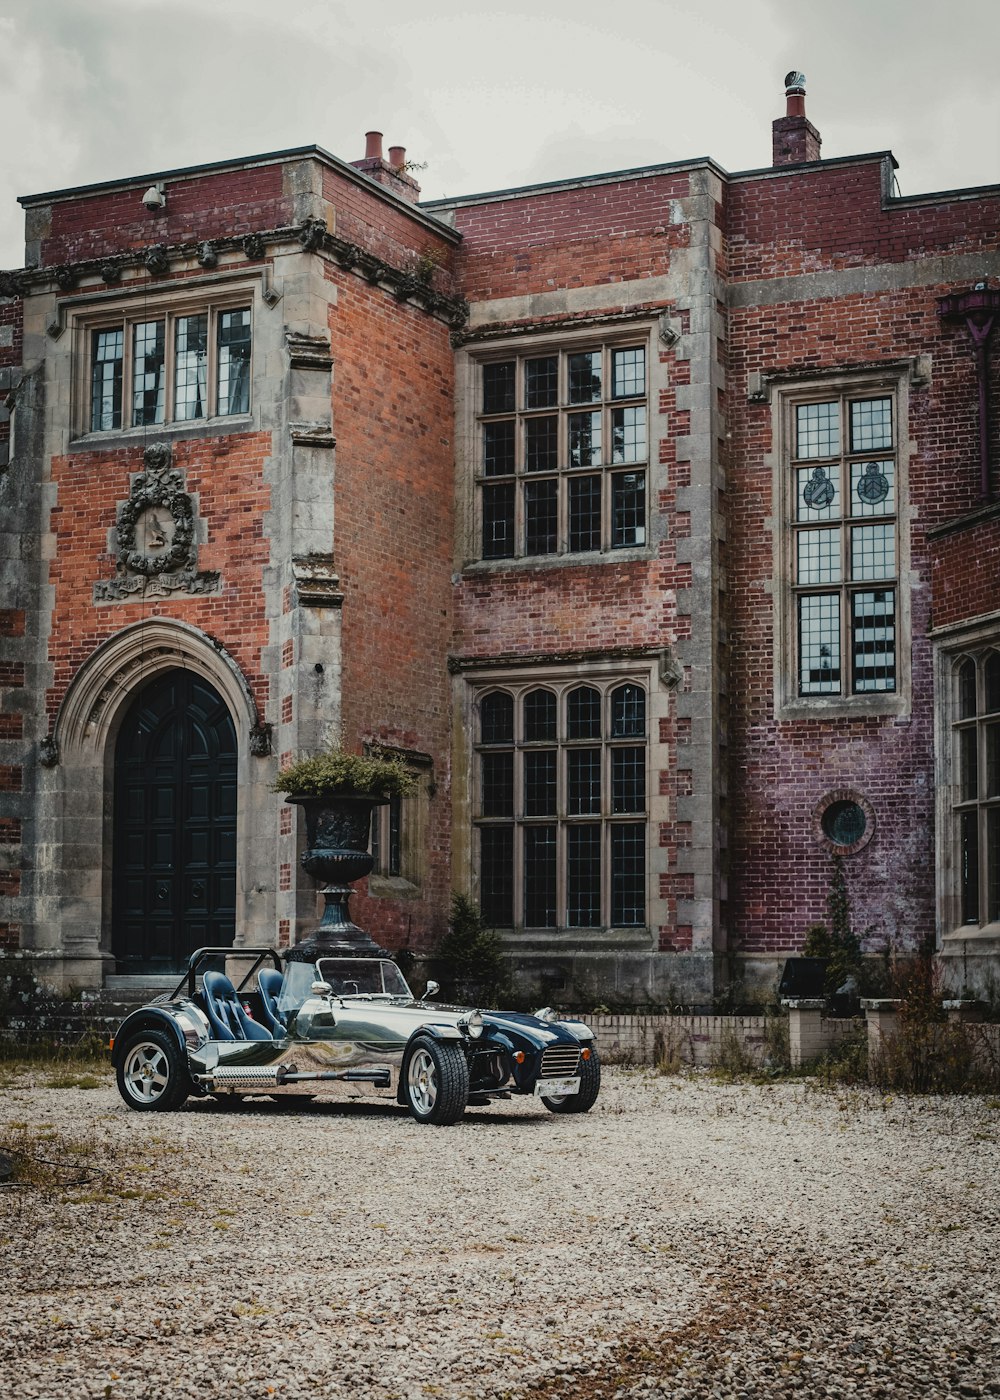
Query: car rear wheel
(152, 1075)
(590, 1087)
(437, 1082)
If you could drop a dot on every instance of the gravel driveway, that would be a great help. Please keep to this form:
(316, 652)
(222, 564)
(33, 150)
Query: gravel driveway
(684, 1239)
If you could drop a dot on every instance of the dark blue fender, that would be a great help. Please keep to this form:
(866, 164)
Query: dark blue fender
(147, 1018)
(447, 1035)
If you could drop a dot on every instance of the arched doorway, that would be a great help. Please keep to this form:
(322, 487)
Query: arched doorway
(174, 877)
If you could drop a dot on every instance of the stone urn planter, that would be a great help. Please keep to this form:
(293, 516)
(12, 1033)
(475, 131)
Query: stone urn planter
(336, 854)
(338, 793)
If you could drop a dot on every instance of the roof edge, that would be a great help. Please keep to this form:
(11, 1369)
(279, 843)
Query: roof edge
(342, 167)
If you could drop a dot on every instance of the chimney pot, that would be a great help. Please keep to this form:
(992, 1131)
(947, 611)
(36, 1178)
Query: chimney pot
(397, 156)
(373, 145)
(794, 139)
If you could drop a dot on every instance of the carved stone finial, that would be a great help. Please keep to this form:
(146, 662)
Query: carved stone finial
(155, 259)
(260, 739)
(206, 255)
(311, 234)
(253, 245)
(48, 752)
(158, 457)
(65, 278)
(111, 271)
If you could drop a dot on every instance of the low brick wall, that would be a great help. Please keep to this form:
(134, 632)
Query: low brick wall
(693, 1040)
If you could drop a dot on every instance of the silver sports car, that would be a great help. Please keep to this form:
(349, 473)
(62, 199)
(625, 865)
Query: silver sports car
(343, 1026)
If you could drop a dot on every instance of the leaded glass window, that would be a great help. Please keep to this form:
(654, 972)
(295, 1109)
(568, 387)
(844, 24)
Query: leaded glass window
(975, 806)
(844, 544)
(560, 804)
(170, 368)
(551, 428)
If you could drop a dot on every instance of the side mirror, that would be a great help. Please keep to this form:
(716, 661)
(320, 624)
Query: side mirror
(432, 990)
(320, 989)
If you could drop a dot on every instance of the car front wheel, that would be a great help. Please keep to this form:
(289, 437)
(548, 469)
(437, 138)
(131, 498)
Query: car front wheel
(152, 1075)
(590, 1087)
(437, 1082)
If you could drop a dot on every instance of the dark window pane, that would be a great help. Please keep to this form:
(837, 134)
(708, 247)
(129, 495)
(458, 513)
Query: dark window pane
(375, 844)
(993, 760)
(967, 690)
(234, 362)
(540, 783)
(628, 780)
(148, 357)
(191, 367)
(541, 382)
(871, 424)
(628, 373)
(498, 447)
(539, 716)
(540, 876)
(969, 866)
(628, 435)
(584, 439)
(628, 875)
(496, 875)
(541, 441)
(968, 764)
(584, 512)
(819, 645)
(818, 556)
(583, 713)
(498, 784)
(583, 876)
(628, 712)
(541, 516)
(498, 521)
(106, 380)
(496, 718)
(844, 823)
(991, 675)
(395, 833)
(585, 377)
(993, 864)
(873, 640)
(498, 387)
(628, 509)
(583, 781)
(817, 430)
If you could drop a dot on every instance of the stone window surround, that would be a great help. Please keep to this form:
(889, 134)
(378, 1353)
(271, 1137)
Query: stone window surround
(952, 646)
(135, 302)
(538, 341)
(414, 824)
(606, 675)
(785, 393)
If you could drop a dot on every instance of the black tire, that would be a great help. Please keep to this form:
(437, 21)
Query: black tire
(590, 1087)
(153, 1074)
(436, 1082)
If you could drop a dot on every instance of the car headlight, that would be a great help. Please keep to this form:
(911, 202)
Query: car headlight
(473, 1024)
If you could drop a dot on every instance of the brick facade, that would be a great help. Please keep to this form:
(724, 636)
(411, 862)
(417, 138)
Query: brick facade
(341, 517)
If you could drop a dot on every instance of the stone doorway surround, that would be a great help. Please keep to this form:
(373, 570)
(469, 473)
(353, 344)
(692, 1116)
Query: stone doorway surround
(72, 945)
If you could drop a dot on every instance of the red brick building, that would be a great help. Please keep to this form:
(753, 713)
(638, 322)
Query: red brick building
(650, 516)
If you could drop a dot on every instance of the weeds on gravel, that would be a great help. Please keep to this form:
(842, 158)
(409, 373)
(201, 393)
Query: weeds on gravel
(45, 1159)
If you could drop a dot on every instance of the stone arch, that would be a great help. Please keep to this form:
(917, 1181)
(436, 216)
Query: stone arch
(78, 879)
(97, 694)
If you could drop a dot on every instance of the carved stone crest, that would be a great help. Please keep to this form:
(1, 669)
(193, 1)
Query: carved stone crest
(155, 535)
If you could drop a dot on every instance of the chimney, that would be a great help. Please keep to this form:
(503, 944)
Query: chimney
(391, 173)
(794, 139)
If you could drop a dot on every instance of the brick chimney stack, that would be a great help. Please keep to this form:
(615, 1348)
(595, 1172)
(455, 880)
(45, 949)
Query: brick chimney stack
(794, 139)
(391, 173)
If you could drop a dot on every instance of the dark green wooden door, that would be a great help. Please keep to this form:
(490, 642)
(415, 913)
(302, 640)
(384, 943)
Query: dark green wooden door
(174, 882)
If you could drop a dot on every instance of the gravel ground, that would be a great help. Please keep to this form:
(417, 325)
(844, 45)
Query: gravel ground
(684, 1239)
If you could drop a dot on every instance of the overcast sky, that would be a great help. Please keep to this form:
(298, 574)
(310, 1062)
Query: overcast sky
(95, 90)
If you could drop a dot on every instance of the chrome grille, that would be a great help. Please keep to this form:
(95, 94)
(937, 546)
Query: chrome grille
(560, 1062)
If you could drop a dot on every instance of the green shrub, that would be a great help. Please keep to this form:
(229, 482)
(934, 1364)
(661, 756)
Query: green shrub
(469, 961)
